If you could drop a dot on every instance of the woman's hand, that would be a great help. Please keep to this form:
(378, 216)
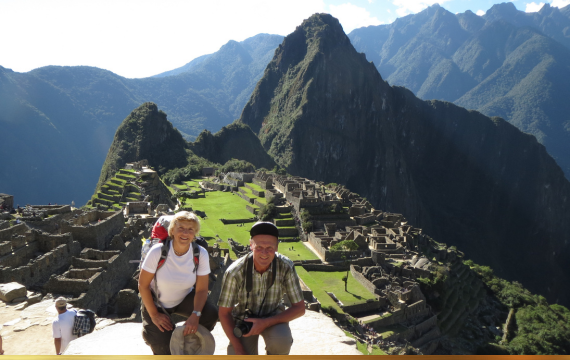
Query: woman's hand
(162, 322)
(191, 325)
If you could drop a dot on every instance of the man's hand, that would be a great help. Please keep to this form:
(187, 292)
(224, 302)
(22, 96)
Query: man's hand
(191, 325)
(258, 326)
(162, 322)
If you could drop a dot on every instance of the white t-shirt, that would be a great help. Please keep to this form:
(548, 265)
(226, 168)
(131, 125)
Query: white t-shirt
(176, 278)
(62, 327)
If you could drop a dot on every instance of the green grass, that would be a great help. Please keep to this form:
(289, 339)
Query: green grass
(363, 348)
(255, 187)
(390, 330)
(222, 205)
(298, 252)
(193, 185)
(321, 282)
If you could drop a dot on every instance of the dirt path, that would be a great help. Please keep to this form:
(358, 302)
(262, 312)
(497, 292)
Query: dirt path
(28, 331)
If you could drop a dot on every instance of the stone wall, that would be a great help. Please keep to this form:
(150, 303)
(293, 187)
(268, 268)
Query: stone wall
(245, 177)
(98, 284)
(364, 281)
(6, 234)
(98, 235)
(365, 307)
(323, 267)
(53, 209)
(288, 232)
(138, 207)
(237, 221)
(245, 197)
(41, 267)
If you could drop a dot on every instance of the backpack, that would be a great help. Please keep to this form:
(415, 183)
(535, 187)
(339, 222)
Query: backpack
(84, 322)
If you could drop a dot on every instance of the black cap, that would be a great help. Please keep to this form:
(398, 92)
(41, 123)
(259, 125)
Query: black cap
(264, 228)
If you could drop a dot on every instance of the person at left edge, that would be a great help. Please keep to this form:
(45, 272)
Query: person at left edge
(177, 287)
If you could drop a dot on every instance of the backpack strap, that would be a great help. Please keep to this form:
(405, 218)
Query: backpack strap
(196, 254)
(163, 253)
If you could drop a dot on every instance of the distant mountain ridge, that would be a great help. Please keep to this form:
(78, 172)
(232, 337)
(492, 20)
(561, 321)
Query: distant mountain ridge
(506, 63)
(58, 122)
(323, 112)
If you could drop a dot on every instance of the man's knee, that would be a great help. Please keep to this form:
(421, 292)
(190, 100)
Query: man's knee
(278, 339)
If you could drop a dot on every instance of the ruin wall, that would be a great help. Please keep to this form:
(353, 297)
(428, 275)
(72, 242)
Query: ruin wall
(42, 267)
(96, 236)
(18, 229)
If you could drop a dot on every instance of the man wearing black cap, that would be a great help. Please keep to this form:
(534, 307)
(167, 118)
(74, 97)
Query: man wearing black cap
(252, 289)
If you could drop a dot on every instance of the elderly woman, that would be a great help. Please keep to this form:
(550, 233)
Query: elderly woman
(177, 287)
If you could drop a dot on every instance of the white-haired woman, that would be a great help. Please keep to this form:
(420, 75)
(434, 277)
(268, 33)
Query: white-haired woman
(177, 287)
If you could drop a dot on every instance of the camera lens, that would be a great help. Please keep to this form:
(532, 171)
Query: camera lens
(237, 332)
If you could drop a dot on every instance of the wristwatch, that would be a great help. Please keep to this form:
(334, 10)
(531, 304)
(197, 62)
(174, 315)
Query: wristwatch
(198, 313)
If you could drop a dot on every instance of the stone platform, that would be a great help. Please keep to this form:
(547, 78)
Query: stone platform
(313, 334)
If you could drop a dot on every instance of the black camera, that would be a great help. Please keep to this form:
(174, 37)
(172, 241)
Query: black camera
(243, 326)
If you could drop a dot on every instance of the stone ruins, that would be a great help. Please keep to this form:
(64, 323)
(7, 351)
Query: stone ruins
(89, 256)
(388, 262)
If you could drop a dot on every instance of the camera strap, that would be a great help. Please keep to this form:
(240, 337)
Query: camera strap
(249, 278)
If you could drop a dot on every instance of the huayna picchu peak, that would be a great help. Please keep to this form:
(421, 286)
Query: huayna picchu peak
(322, 111)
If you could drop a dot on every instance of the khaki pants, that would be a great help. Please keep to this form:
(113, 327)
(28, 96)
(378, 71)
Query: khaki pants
(278, 340)
(160, 341)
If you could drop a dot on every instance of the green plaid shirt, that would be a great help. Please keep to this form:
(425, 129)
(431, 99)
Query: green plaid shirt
(234, 294)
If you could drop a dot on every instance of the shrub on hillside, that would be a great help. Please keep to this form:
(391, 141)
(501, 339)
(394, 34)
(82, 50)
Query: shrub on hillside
(235, 165)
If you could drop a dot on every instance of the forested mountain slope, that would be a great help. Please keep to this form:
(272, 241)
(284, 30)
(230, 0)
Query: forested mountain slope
(324, 112)
(506, 63)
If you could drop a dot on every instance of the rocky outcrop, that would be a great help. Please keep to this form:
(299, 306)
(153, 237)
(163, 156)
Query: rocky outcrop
(324, 112)
(235, 141)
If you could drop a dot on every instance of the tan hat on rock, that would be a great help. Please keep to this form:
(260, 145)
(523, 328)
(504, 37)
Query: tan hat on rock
(60, 302)
(200, 343)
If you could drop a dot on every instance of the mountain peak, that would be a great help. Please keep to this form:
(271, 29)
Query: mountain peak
(145, 134)
(316, 47)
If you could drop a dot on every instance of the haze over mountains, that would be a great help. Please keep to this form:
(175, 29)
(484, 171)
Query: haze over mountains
(58, 122)
(505, 63)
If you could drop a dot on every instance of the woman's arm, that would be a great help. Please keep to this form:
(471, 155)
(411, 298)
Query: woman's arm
(199, 301)
(162, 321)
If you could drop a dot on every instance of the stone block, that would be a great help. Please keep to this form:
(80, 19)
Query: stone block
(20, 299)
(117, 243)
(127, 301)
(11, 291)
(34, 299)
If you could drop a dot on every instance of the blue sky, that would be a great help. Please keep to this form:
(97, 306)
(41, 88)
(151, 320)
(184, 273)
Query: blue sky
(140, 38)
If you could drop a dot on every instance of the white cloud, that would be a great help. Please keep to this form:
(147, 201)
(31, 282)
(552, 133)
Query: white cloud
(405, 7)
(136, 38)
(480, 12)
(533, 7)
(560, 3)
(352, 16)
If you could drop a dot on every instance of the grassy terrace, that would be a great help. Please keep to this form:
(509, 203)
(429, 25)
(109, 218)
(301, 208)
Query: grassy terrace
(255, 186)
(321, 282)
(363, 348)
(249, 193)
